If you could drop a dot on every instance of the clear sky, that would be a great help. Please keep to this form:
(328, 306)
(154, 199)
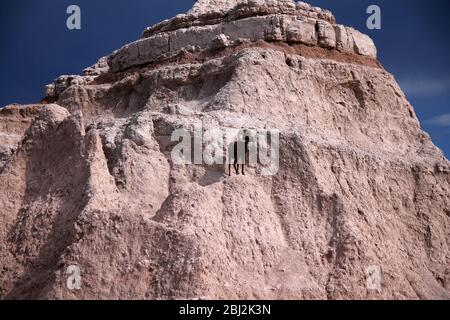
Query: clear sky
(36, 46)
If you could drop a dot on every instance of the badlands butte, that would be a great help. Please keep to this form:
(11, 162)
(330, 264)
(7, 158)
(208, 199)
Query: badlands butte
(87, 178)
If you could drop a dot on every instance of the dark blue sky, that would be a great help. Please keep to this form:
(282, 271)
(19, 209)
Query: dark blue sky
(37, 47)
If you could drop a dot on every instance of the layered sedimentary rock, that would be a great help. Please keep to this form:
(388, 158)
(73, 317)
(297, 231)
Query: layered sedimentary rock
(247, 21)
(87, 177)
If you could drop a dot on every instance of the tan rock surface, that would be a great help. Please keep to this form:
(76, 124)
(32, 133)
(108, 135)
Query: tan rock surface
(89, 180)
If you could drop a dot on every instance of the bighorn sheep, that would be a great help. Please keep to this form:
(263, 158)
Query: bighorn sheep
(237, 153)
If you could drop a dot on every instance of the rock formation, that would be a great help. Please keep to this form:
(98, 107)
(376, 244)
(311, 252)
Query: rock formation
(87, 178)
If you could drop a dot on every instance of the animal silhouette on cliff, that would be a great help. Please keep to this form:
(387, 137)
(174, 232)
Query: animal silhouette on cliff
(238, 153)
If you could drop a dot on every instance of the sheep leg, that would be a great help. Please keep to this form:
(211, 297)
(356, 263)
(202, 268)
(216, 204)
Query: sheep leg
(243, 167)
(236, 167)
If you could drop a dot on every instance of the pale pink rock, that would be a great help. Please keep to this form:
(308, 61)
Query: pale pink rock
(88, 180)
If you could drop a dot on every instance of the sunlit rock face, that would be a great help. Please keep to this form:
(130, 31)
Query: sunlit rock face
(87, 177)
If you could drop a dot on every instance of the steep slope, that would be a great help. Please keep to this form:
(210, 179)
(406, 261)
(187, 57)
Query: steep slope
(88, 179)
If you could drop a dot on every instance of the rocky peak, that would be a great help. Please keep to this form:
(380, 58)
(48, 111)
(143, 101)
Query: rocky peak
(240, 10)
(215, 25)
(240, 22)
(89, 180)
(206, 6)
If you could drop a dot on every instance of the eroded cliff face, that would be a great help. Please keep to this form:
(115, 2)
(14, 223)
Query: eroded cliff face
(88, 179)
